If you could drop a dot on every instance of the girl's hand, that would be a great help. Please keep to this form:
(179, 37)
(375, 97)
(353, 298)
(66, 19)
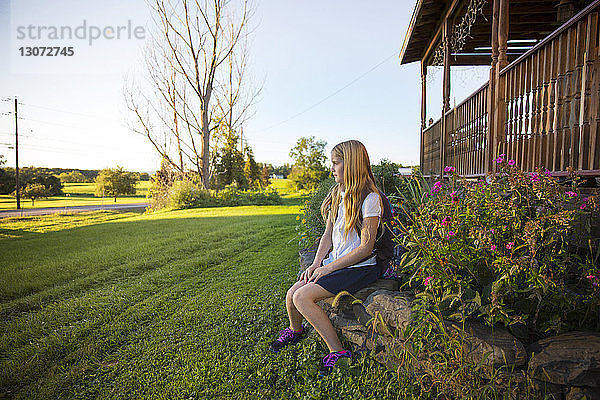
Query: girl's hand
(319, 273)
(307, 273)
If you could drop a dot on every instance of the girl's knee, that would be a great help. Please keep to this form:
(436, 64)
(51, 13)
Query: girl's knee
(289, 296)
(290, 293)
(302, 295)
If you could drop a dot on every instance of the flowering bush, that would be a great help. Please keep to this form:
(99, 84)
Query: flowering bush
(505, 248)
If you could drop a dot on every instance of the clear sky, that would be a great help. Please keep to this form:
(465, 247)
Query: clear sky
(330, 69)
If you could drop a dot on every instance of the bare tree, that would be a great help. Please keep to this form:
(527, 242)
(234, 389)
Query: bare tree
(196, 79)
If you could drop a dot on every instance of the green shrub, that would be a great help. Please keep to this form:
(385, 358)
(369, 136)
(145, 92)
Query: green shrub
(503, 248)
(232, 196)
(186, 194)
(387, 176)
(310, 226)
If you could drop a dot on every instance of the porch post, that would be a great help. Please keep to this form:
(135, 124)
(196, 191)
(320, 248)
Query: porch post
(445, 94)
(423, 111)
(491, 99)
(500, 100)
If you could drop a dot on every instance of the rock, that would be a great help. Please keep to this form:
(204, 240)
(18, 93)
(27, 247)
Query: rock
(393, 306)
(512, 383)
(364, 340)
(388, 359)
(387, 284)
(361, 314)
(546, 390)
(570, 359)
(341, 322)
(491, 348)
(357, 333)
(581, 393)
(306, 258)
(345, 302)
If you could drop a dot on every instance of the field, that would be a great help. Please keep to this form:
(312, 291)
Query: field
(76, 194)
(82, 194)
(178, 304)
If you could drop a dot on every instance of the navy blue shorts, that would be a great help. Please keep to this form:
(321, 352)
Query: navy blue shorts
(350, 279)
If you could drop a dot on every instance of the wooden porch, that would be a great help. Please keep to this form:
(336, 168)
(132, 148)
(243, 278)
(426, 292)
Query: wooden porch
(541, 105)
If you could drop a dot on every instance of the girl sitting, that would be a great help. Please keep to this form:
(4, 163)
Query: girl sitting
(352, 211)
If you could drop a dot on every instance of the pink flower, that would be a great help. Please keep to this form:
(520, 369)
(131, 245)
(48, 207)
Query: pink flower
(571, 194)
(584, 204)
(512, 163)
(426, 282)
(510, 245)
(499, 160)
(534, 177)
(436, 187)
(446, 221)
(454, 198)
(450, 234)
(591, 276)
(493, 247)
(493, 230)
(449, 169)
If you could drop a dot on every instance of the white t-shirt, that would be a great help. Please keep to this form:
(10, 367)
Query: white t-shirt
(371, 207)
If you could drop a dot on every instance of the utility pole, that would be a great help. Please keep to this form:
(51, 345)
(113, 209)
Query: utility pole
(17, 156)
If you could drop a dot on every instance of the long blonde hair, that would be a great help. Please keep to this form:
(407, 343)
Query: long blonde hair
(358, 180)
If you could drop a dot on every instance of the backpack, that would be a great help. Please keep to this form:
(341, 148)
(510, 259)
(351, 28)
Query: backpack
(384, 247)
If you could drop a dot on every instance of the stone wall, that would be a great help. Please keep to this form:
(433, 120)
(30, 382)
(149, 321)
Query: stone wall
(561, 367)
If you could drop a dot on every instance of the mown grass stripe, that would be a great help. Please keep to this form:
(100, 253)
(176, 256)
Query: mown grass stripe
(189, 315)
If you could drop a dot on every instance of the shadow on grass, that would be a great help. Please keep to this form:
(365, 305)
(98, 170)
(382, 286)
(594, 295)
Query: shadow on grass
(46, 267)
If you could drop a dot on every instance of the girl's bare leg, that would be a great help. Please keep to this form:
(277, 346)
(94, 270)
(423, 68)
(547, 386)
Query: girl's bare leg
(293, 313)
(305, 299)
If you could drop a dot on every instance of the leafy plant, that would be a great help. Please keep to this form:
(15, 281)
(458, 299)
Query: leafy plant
(503, 248)
(310, 225)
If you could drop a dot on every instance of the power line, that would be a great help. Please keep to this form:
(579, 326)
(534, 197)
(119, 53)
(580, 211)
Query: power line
(70, 112)
(330, 95)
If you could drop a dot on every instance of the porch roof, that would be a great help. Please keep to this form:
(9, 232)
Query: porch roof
(529, 22)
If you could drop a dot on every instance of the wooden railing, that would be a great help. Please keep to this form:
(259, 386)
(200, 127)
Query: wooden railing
(467, 127)
(431, 148)
(552, 112)
(548, 114)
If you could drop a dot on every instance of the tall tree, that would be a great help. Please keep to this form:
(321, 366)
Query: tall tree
(251, 168)
(265, 174)
(228, 160)
(197, 68)
(309, 162)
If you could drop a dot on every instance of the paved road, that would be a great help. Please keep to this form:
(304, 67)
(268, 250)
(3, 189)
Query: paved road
(53, 210)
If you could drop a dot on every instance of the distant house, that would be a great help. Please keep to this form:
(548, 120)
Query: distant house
(541, 105)
(274, 176)
(405, 171)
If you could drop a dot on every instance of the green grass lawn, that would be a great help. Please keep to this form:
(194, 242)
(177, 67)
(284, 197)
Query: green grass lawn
(172, 305)
(76, 194)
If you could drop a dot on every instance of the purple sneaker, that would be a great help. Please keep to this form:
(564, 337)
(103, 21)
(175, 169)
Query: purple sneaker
(330, 359)
(287, 336)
